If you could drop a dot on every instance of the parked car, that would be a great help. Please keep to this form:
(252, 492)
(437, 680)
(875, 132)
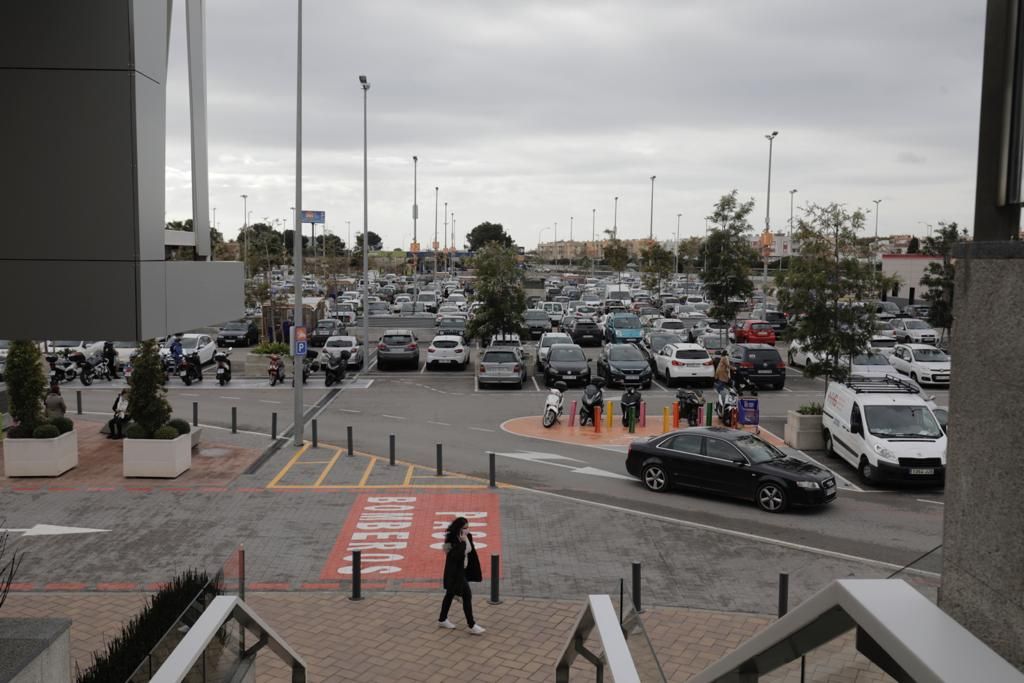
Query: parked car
(623, 328)
(706, 326)
(449, 325)
(501, 365)
(448, 350)
(672, 325)
(922, 362)
(883, 344)
(917, 311)
(5, 345)
(913, 331)
(191, 343)
(655, 340)
(776, 319)
(537, 321)
(568, 363)
(868, 365)
(349, 344)
(684, 363)
(714, 341)
(754, 332)
(732, 463)
(238, 333)
(799, 355)
(378, 309)
(397, 347)
(346, 311)
(625, 365)
(554, 309)
(396, 305)
(325, 329)
(547, 340)
(584, 331)
(760, 363)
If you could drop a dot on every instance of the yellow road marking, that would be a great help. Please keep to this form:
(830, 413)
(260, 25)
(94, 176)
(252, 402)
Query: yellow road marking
(280, 475)
(330, 465)
(366, 474)
(314, 462)
(408, 475)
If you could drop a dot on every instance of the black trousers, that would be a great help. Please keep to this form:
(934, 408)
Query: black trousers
(467, 603)
(117, 426)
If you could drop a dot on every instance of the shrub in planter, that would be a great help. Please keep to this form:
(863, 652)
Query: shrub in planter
(147, 395)
(136, 431)
(810, 409)
(26, 387)
(45, 431)
(267, 348)
(166, 433)
(63, 424)
(180, 425)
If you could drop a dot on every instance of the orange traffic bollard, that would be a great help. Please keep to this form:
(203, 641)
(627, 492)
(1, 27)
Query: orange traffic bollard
(597, 419)
(675, 415)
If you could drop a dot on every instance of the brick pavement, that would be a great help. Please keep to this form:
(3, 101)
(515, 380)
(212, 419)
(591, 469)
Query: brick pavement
(391, 637)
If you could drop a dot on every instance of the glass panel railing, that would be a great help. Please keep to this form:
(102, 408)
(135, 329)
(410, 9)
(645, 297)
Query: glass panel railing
(639, 643)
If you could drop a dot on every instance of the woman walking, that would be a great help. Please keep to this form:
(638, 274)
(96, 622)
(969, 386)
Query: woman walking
(458, 543)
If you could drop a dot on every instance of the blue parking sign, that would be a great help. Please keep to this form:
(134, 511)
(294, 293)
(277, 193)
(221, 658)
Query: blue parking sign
(300, 348)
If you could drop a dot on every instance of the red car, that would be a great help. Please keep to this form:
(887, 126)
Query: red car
(755, 332)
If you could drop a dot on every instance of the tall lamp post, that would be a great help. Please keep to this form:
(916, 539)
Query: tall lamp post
(454, 248)
(615, 221)
(297, 429)
(558, 252)
(245, 232)
(768, 210)
(651, 235)
(875, 245)
(593, 240)
(572, 245)
(445, 214)
(679, 217)
(434, 245)
(366, 221)
(348, 245)
(415, 216)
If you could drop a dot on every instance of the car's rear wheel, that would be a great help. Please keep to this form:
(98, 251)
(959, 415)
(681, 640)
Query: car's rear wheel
(654, 477)
(830, 448)
(779, 385)
(771, 497)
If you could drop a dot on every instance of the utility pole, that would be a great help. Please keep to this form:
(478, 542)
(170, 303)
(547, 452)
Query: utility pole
(297, 427)
(446, 237)
(593, 240)
(434, 245)
(572, 245)
(651, 236)
(366, 240)
(615, 221)
(245, 239)
(767, 211)
(415, 216)
(679, 217)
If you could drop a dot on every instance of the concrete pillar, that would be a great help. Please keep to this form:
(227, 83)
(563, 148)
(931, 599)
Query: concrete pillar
(983, 534)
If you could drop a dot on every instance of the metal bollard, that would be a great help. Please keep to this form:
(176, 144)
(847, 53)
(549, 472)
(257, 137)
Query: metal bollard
(675, 415)
(273, 426)
(631, 420)
(611, 414)
(195, 413)
(391, 449)
(572, 414)
(709, 413)
(495, 580)
(597, 419)
(490, 465)
(665, 420)
(783, 593)
(78, 402)
(643, 413)
(234, 419)
(241, 571)
(348, 431)
(636, 588)
(315, 440)
(440, 470)
(357, 575)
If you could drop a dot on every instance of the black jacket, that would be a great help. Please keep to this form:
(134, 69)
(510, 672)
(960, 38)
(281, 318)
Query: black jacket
(455, 566)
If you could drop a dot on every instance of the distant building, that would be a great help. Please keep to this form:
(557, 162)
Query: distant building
(778, 244)
(908, 269)
(565, 250)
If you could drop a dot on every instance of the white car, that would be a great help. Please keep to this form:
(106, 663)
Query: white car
(338, 343)
(89, 348)
(883, 344)
(913, 331)
(193, 342)
(457, 299)
(448, 350)
(396, 306)
(800, 356)
(689, 363)
(924, 363)
(671, 325)
(869, 365)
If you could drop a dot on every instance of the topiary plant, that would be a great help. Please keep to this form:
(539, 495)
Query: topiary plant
(26, 387)
(45, 431)
(810, 409)
(63, 424)
(182, 426)
(147, 396)
(136, 431)
(166, 433)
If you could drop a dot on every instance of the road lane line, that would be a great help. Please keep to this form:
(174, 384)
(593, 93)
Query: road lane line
(441, 424)
(659, 385)
(266, 401)
(184, 394)
(366, 472)
(424, 369)
(933, 502)
(535, 385)
(395, 417)
(231, 398)
(481, 429)
(284, 470)
(330, 466)
(349, 410)
(408, 475)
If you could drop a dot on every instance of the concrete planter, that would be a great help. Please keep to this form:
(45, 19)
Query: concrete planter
(157, 458)
(41, 457)
(804, 431)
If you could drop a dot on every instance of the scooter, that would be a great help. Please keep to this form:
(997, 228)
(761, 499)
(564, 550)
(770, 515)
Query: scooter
(630, 405)
(92, 368)
(61, 369)
(553, 403)
(727, 404)
(690, 401)
(592, 397)
(223, 367)
(334, 368)
(190, 369)
(276, 369)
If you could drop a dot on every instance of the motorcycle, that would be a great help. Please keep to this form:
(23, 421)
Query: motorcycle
(61, 369)
(553, 403)
(223, 367)
(190, 369)
(94, 367)
(276, 369)
(727, 404)
(690, 402)
(334, 368)
(592, 397)
(630, 405)
(309, 365)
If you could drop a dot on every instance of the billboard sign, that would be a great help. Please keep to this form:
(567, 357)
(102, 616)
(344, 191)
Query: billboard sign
(314, 217)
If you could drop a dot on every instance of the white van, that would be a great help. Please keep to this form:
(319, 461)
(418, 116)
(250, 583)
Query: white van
(555, 311)
(886, 429)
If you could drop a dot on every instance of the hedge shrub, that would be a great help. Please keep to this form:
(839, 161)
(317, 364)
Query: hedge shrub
(267, 348)
(45, 431)
(182, 426)
(166, 433)
(63, 424)
(136, 431)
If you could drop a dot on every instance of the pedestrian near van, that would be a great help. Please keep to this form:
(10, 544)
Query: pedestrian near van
(55, 406)
(120, 409)
(723, 372)
(461, 565)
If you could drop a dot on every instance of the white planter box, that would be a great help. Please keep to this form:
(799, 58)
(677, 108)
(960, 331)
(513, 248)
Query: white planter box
(41, 457)
(158, 458)
(804, 431)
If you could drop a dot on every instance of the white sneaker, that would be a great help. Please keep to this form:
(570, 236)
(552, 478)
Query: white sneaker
(477, 629)
(445, 624)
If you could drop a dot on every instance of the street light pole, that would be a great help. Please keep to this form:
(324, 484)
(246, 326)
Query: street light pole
(651, 236)
(446, 237)
(557, 250)
(245, 239)
(593, 240)
(366, 222)
(705, 246)
(767, 210)
(454, 248)
(615, 221)
(791, 193)
(572, 245)
(348, 245)
(679, 217)
(297, 246)
(875, 245)
(415, 217)
(433, 247)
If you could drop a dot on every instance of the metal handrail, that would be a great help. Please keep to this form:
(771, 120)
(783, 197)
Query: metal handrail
(898, 629)
(599, 613)
(223, 609)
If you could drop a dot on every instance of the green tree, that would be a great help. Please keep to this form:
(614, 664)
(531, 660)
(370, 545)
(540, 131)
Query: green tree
(616, 255)
(727, 281)
(690, 252)
(914, 246)
(26, 386)
(938, 277)
(824, 283)
(658, 263)
(374, 240)
(289, 241)
(147, 395)
(499, 287)
(486, 233)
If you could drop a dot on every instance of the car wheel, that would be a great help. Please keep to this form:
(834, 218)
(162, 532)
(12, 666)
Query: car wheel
(647, 385)
(778, 386)
(789, 357)
(771, 497)
(829, 445)
(868, 474)
(654, 478)
(520, 385)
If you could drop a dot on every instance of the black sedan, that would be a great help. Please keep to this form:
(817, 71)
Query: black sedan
(238, 333)
(324, 330)
(625, 365)
(566, 362)
(732, 463)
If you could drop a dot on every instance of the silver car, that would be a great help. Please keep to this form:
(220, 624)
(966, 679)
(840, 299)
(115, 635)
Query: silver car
(502, 365)
(398, 347)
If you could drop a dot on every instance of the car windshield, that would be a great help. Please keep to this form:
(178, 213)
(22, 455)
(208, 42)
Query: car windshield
(500, 357)
(397, 339)
(66, 343)
(883, 343)
(340, 343)
(555, 339)
(189, 343)
(568, 354)
(235, 326)
(625, 352)
(760, 327)
(658, 341)
(692, 354)
(869, 359)
(917, 325)
(762, 355)
(425, 297)
(325, 325)
(445, 343)
(627, 322)
(930, 356)
(536, 315)
(756, 450)
(892, 422)
(453, 322)
(673, 325)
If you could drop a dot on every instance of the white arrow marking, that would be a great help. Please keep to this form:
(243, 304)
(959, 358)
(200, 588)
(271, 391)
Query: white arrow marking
(602, 473)
(51, 530)
(533, 456)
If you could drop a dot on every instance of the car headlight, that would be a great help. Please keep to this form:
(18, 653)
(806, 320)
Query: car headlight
(808, 484)
(884, 452)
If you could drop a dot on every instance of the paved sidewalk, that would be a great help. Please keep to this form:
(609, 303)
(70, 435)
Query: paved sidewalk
(391, 638)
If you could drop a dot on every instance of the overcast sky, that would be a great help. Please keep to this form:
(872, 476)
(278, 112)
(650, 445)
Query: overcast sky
(528, 113)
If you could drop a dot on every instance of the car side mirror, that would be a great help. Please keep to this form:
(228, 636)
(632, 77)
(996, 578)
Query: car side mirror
(740, 462)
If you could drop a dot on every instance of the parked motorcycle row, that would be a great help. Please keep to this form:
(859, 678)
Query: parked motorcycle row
(68, 367)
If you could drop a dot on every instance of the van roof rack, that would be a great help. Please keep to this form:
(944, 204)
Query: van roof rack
(882, 385)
